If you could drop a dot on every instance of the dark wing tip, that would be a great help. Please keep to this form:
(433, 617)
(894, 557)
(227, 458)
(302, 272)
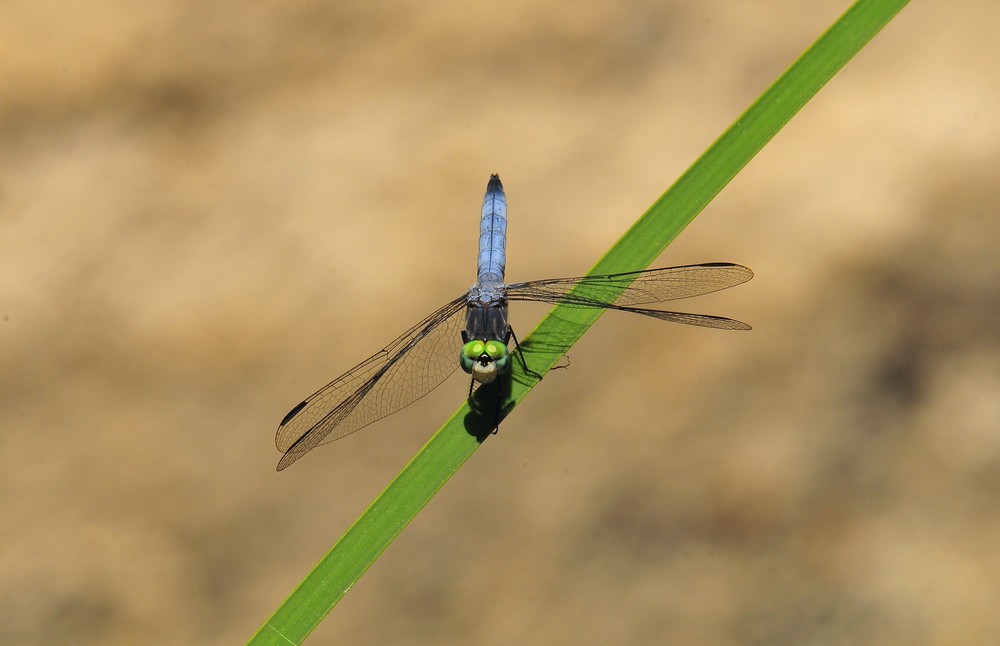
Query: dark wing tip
(494, 182)
(725, 264)
(292, 413)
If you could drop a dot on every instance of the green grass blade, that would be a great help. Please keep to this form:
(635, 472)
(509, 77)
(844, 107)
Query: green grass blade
(452, 445)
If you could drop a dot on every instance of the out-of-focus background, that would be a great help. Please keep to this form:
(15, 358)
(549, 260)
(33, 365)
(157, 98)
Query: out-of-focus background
(208, 210)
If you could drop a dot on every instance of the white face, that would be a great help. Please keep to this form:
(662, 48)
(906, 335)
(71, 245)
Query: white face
(485, 373)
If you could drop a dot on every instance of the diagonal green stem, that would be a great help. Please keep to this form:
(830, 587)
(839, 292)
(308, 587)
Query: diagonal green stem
(461, 435)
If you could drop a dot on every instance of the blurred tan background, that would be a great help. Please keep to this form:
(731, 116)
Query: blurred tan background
(209, 210)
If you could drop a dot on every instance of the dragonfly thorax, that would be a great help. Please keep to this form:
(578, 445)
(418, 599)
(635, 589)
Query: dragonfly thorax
(486, 313)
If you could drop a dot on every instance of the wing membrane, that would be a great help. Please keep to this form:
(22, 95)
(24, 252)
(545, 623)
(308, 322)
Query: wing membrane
(393, 378)
(624, 291)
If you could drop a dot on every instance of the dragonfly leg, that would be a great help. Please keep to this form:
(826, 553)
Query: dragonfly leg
(497, 409)
(520, 355)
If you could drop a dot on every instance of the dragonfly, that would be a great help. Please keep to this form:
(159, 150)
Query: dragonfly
(421, 358)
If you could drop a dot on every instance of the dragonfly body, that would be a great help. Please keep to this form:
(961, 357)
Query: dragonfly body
(487, 332)
(422, 357)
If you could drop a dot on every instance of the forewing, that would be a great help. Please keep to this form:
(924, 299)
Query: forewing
(393, 378)
(648, 286)
(623, 291)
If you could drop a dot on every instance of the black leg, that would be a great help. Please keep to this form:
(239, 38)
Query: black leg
(499, 406)
(520, 355)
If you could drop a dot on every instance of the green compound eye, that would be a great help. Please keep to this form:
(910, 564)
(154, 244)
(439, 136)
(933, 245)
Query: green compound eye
(472, 360)
(473, 349)
(471, 352)
(496, 350)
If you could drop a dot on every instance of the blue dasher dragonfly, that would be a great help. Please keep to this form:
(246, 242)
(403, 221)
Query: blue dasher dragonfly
(425, 355)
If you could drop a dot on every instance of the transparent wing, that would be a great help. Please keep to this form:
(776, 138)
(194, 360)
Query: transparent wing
(624, 291)
(393, 378)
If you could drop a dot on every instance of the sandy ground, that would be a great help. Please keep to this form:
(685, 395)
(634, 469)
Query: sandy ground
(209, 210)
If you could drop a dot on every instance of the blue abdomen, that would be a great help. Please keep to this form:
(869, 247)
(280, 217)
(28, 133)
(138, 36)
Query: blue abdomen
(493, 233)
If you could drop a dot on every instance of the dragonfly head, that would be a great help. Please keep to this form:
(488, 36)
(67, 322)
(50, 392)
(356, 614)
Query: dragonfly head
(484, 360)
